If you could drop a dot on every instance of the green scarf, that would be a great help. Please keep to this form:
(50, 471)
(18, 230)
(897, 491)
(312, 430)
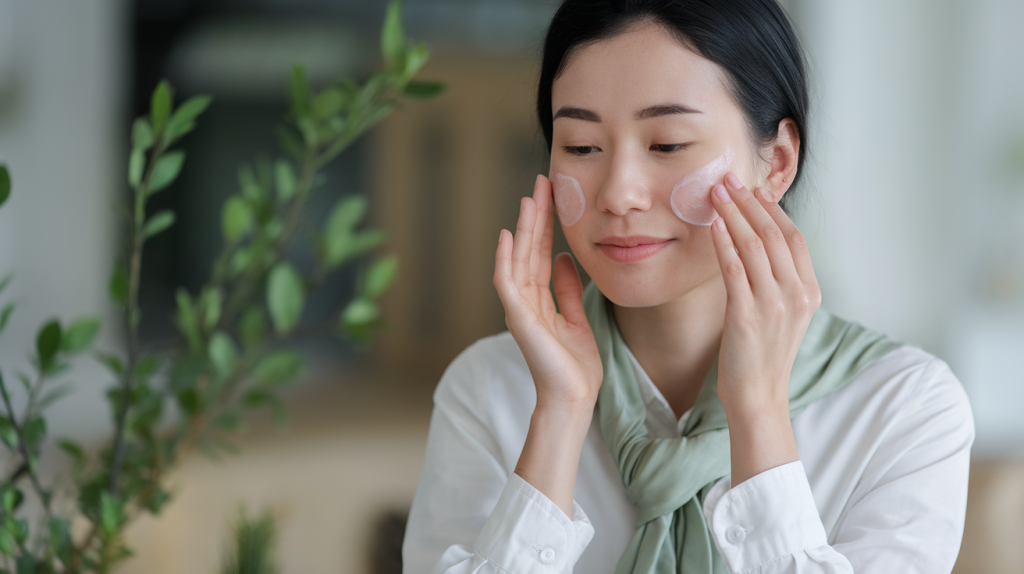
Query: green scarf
(668, 479)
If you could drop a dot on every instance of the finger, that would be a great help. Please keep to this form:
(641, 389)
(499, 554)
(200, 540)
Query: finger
(746, 241)
(522, 246)
(733, 272)
(794, 239)
(569, 290)
(503, 283)
(544, 232)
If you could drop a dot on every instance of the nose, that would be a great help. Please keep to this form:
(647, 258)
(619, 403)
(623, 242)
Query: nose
(626, 188)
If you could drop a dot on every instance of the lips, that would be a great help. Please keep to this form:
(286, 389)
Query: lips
(632, 248)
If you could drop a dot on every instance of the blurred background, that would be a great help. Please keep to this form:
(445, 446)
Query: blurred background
(914, 209)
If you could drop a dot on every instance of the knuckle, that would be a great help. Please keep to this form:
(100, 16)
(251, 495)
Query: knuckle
(797, 239)
(735, 269)
(772, 233)
(754, 244)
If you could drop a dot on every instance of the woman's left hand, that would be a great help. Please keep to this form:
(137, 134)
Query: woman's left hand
(772, 294)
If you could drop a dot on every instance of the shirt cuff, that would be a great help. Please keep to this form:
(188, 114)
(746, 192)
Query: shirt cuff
(526, 532)
(765, 518)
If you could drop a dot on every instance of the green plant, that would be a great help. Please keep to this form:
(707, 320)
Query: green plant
(253, 548)
(233, 352)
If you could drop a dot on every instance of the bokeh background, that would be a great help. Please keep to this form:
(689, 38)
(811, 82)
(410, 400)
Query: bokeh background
(914, 210)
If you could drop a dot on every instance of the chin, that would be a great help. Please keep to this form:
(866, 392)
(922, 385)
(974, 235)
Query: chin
(648, 287)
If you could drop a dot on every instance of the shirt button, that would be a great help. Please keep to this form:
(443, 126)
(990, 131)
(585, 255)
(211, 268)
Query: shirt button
(547, 556)
(735, 534)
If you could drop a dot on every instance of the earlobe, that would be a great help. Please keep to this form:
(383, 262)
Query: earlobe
(785, 159)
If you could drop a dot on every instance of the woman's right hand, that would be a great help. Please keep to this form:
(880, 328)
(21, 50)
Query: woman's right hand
(558, 345)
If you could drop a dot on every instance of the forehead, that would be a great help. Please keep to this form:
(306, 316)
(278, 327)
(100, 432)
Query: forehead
(643, 66)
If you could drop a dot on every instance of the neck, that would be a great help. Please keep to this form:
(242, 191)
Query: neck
(677, 342)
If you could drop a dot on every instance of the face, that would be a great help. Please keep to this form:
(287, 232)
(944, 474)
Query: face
(643, 128)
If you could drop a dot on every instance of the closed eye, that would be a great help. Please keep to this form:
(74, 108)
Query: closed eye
(579, 149)
(667, 148)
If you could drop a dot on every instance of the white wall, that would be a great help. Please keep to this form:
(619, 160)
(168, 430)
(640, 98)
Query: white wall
(61, 111)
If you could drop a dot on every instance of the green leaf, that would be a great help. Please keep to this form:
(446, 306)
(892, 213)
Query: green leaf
(5, 184)
(53, 395)
(158, 223)
(278, 368)
(5, 315)
(415, 58)
(380, 276)
(360, 311)
(6, 543)
(7, 433)
(74, 452)
(328, 103)
(142, 134)
(249, 184)
(291, 143)
(286, 296)
(6, 281)
(26, 563)
(392, 37)
(119, 285)
(222, 353)
(257, 398)
(110, 513)
(80, 335)
(210, 303)
(298, 93)
(339, 239)
(34, 432)
(252, 327)
(182, 121)
(423, 90)
(160, 107)
(47, 344)
(166, 170)
(284, 180)
(237, 218)
(136, 164)
(112, 362)
(188, 321)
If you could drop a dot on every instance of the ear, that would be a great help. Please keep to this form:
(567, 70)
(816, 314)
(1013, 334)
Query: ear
(785, 154)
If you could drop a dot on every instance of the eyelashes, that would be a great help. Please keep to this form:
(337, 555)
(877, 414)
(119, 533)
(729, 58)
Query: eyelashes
(582, 150)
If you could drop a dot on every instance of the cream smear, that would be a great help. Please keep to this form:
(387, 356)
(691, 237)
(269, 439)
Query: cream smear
(691, 197)
(569, 199)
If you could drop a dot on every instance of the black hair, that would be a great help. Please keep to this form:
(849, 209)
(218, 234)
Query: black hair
(752, 40)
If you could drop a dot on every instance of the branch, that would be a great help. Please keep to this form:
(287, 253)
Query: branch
(23, 447)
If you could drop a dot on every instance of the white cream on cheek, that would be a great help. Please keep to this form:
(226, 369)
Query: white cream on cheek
(569, 199)
(691, 197)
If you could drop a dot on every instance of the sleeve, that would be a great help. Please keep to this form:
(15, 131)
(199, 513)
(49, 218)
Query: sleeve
(470, 514)
(907, 518)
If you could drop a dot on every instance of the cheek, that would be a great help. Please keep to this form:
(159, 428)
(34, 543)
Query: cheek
(691, 197)
(570, 202)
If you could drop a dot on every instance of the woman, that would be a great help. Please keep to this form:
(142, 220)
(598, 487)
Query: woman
(692, 410)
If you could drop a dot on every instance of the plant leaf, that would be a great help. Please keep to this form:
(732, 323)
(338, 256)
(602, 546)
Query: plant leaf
(142, 134)
(424, 90)
(415, 58)
(80, 335)
(211, 302)
(237, 218)
(249, 184)
(279, 368)
(74, 451)
(54, 395)
(160, 107)
(339, 230)
(159, 222)
(34, 432)
(5, 184)
(392, 37)
(119, 285)
(188, 321)
(284, 180)
(252, 327)
(182, 121)
(47, 344)
(136, 164)
(113, 362)
(7, 433)
(5, 315)
(6, 281)
(298, 93)
(166, 170)
(222, 353)
(110, 513)
(380, 276)
(286, 296)
(328, 103)
(360, 311)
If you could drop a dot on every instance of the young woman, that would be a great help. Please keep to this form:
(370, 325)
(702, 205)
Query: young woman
(692, 410)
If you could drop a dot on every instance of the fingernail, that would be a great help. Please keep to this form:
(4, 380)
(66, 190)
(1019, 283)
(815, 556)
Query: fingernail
(733, 181)
(719, 224)
(722, 193)
(765, 196)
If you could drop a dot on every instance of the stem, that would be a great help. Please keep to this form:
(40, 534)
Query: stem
(132, 315)
(23, 447)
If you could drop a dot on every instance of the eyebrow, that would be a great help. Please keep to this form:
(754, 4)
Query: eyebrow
(644, 114)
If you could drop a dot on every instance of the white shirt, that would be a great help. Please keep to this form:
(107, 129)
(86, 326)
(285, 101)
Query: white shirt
(881, 484)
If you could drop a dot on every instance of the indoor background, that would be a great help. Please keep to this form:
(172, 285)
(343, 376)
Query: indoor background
(914, 210)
